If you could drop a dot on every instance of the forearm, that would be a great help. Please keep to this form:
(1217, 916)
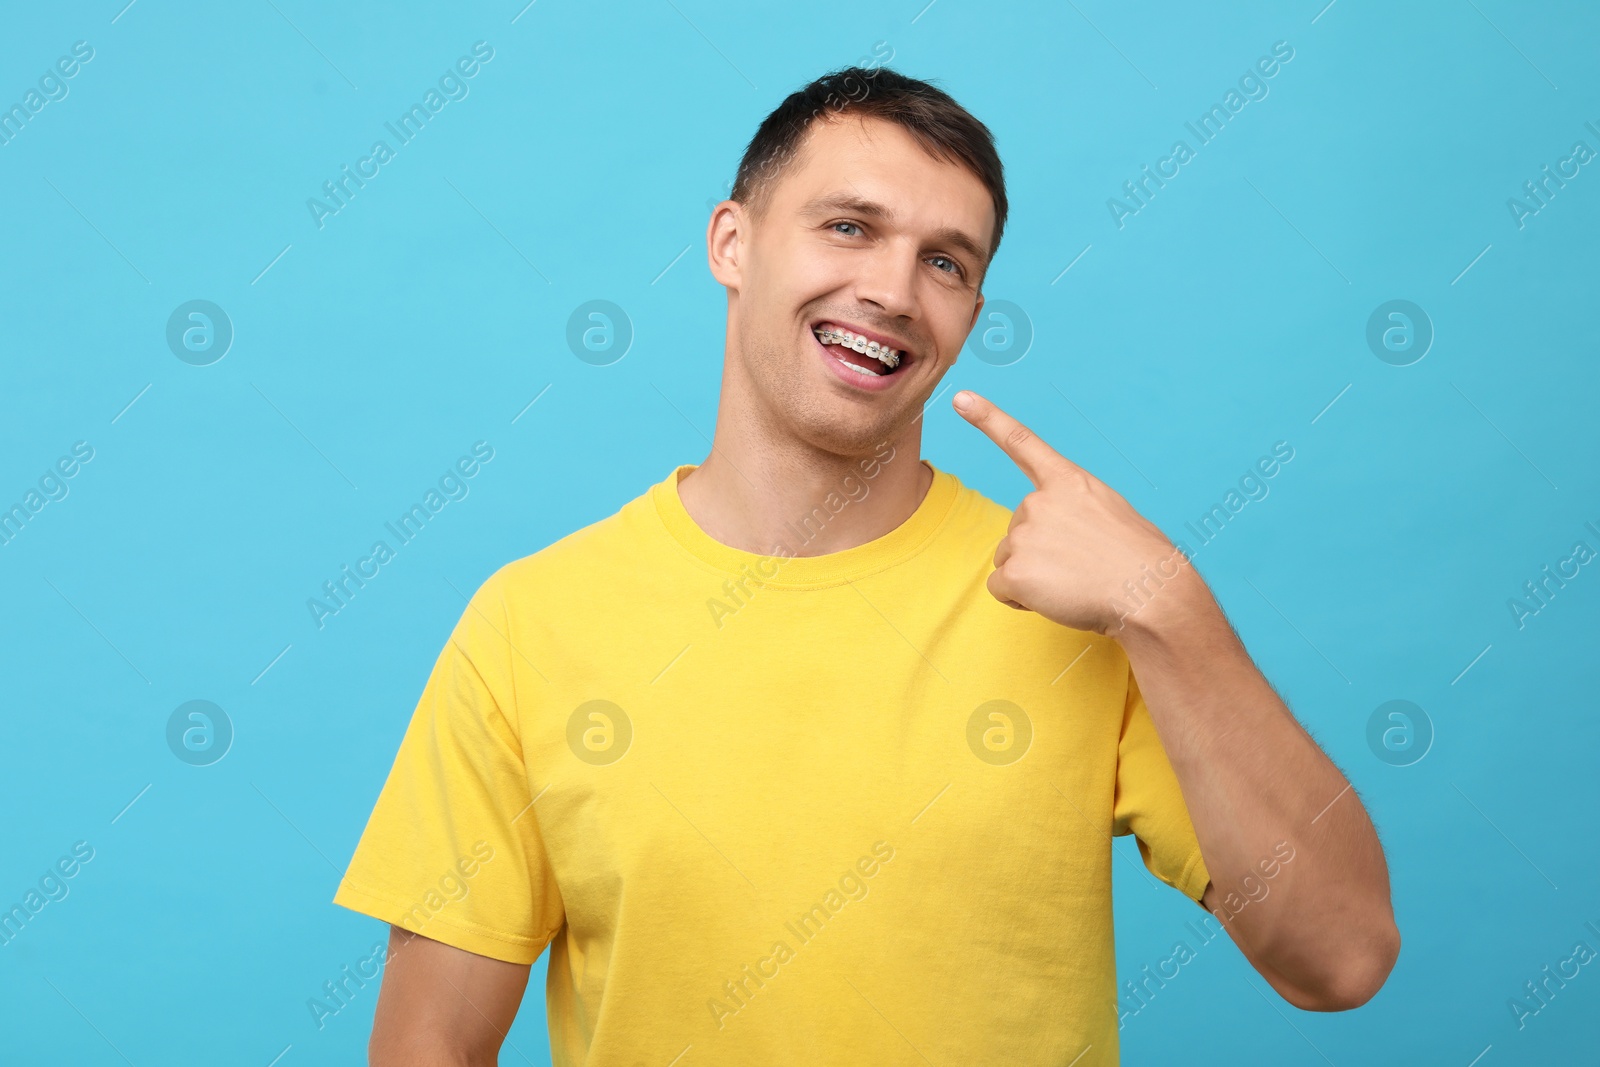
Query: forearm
(402, 1050)
(1252, 778)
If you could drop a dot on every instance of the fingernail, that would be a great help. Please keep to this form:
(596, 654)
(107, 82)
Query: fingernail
(963, 400)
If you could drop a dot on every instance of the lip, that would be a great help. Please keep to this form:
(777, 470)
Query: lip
(874, 384)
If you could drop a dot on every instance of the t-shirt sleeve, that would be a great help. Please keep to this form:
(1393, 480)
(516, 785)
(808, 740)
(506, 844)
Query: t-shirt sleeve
(1149, 803)
(452, 849)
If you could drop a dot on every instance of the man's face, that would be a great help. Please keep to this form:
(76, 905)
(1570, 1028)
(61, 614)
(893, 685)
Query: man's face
(863, 231)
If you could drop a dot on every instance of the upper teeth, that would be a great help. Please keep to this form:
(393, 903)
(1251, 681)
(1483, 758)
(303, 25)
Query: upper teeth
(888, 356)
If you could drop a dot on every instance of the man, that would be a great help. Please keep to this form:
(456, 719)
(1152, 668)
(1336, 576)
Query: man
(811, 754)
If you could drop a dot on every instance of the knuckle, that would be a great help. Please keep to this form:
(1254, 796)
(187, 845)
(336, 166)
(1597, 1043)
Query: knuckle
(1076, 475)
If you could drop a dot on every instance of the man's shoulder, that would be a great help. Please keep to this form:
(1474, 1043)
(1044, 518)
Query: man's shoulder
(608, 542)
(975, 510)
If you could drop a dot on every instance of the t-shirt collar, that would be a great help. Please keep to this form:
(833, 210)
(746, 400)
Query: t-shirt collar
(808, 571)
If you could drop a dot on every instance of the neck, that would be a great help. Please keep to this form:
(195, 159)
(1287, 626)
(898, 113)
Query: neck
(771, 493)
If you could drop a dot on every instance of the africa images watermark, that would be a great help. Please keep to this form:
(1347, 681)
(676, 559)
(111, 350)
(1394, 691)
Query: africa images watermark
(53, 87)
(1252, 487)
(1541, 993)
(454, 885)
(1538, 193)
(337, 593)
(1540, 592)
(1253, 86)
(1255, 890)
(736, 593)
(53, 486)
(52, 887)
(805, 926)
(452, 85)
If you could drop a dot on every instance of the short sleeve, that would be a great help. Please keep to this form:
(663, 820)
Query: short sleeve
(1149, 803)
(452, 849)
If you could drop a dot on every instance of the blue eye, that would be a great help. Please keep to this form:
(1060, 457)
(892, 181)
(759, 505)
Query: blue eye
(850, 224)
(956, 268)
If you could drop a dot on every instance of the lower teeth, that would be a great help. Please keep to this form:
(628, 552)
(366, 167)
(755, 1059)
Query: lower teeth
(859, 370)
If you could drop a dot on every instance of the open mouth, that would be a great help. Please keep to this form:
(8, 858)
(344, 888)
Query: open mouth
(866, 355)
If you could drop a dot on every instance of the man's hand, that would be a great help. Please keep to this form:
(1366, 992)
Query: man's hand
(1251, 777)
(1076, 552)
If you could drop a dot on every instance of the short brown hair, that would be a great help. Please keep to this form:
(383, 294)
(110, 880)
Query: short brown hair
(944, 128)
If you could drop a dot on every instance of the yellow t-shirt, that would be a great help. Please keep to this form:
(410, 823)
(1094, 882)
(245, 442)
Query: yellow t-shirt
(786, 809)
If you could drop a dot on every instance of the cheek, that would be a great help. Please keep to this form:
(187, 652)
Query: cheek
(953, 327)
(800, 265)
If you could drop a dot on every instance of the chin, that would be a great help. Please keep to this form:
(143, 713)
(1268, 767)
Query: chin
(834, 428)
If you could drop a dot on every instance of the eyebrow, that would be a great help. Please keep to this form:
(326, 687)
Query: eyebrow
(949, 235)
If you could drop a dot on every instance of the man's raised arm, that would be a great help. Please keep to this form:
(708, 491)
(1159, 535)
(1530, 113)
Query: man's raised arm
(1252, 778)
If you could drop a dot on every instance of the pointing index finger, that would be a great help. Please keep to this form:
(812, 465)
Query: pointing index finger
(1026, 448)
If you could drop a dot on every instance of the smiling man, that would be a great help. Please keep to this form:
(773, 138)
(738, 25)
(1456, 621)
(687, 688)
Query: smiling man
(811, 754)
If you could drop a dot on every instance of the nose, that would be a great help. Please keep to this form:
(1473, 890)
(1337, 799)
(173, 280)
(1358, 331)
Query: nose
(889, 280)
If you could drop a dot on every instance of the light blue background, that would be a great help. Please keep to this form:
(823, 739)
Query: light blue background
(1225, 316)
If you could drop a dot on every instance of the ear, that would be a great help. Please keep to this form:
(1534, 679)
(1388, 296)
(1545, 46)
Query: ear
(724, 242)
(977, 309)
